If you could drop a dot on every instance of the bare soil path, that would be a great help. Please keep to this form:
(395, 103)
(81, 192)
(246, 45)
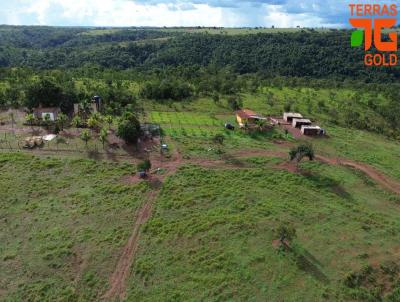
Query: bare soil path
(383, 180)
(118, 279)
(371, 172)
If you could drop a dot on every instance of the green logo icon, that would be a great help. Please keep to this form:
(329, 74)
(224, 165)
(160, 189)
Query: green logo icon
(357, 38)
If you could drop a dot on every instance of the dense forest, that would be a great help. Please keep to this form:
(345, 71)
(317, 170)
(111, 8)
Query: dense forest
(129, 65)
(300, 53)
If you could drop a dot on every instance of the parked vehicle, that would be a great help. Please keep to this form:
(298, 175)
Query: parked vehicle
(229, 126)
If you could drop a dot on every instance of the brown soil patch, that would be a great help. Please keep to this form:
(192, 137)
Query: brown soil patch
(260, 152)
(121, 273)
(289, 166)
(276, 244)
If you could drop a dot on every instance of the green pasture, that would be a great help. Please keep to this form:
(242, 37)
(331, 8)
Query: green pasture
(63, 223)
(212, 231)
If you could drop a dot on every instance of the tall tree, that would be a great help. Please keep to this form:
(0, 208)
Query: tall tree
(45, 92)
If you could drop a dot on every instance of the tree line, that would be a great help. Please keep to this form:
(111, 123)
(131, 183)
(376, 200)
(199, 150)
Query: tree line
(303, 53)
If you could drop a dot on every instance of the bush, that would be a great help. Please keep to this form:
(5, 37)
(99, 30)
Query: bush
(144, 165)
(219, 139)
(303, 150)
(285, 232)
(129, 129)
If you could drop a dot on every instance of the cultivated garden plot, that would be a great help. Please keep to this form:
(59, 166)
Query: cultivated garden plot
(186, 124)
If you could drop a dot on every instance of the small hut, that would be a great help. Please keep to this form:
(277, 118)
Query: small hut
(247, 118)
(298, 122)
(312, 130)
(41, 112)
(289, 116)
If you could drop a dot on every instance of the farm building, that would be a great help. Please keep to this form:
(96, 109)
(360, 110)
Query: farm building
(289, 116)
(312, 130)
(298, 122)
(247, 118)
(52, 112)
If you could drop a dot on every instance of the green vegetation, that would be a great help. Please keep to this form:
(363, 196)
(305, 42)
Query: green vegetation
(211, 236)
(301, 151)
(213, 228)
(144, 166)
(129, 129)
(63, 224)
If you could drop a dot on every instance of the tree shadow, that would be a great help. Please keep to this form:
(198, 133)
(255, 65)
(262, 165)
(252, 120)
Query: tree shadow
(111, 155)
(93, 154)
(132, 150)
(234, 161)
(325, 182)
(306, 262)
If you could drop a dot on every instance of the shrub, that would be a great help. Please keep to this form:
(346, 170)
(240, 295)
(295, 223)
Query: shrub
(285, 232)
(303, 150)
(219, 139)
(144, 165)
(129, 129)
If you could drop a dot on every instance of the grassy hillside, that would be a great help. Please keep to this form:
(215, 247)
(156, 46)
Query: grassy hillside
(192, 125)
(211, 236)
(78, 224)
(62, 224)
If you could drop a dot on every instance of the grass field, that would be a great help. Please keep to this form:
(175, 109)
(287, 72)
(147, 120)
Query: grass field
(370, 148)
(212, 231)
(63, 224)
(210, 237)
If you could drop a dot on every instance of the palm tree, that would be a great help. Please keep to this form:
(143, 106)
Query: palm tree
(109, 120)
(30, 118)
(62, 119)
(85, 136)
(85, 108)
(76, 121)
(94, 121)
(103, 136)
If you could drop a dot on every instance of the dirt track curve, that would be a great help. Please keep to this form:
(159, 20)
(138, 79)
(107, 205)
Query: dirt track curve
(374, 174)
(371, 172)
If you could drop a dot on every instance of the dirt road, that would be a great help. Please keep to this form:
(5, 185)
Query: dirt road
(118, 279)
(381, 179)
(371, 172)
